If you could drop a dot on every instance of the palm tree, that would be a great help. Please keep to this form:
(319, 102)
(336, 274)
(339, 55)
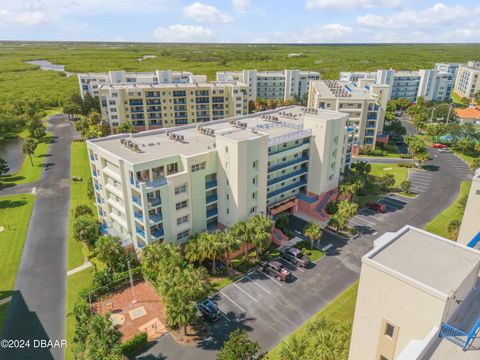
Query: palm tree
(333, 222)
(29, 147)
(109, 250)
(103, 340)
(180, 311)
(245, 231)
(191, 249)
(212, 247)
(230, 243)
(313, 232)
(261, 239)
(346, 210)
(293, 348)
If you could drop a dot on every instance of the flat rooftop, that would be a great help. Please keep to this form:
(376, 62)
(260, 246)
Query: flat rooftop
(426, 258)
(332, 89)
(158, 144)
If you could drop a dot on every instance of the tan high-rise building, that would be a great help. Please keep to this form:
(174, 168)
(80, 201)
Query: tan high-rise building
(365, 105)
(166, 105)
(418, 298)
(467, 82)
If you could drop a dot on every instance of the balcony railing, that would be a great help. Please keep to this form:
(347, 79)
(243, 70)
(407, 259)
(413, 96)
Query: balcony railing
(288, 163)
(136, 200)
(211, 198)
(95, 173)
(211, 184)
(138, 215)
(155, 218)
(140, 232)
(287, 188)
(158, 233)
(97, 187)
(156, 183)
(286, 149)
(92, 158)
(212, 212)
(287, 176)
(154, 202)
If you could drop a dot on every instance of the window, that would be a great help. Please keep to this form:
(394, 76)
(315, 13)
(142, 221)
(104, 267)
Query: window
(198, 167)
(228, 211)
(181, 205)
(254, 181)
(182, 235)
(254, 164)
(228, 197)
(181, 189)
(182, 220)
(226, 149)
(254, 195)
(252, 210)
(389, 329)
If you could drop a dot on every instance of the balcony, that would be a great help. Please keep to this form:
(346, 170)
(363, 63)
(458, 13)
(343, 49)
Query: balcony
(140, 232)
(287, 188)
(97, 187)
(154, 202)
(156, 218)
(158, 233)
(211, 198)
(138, 216)
(211, 184)
(212, 212)
(288, 163)
(92, 158)
(287, 149)
(287, 176)
(95, 173)
(156, 183)
(136, 200)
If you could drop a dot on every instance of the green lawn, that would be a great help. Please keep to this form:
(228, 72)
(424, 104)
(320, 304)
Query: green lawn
(15, 212)
(341, 308)
(75, 283)
(313, 254)
(400, 173)
(28, 172)
(78, 195)
(439, 225)
(3, 314)
(222, 281)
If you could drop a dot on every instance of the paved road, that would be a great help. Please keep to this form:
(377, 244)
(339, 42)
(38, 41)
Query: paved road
(273, 316)
(37, 310)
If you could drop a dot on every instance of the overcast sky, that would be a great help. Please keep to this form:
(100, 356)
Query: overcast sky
(279, 21)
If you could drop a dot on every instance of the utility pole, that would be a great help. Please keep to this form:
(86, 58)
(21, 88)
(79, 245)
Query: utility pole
(448, 115)
(134, 300)
(431, 116)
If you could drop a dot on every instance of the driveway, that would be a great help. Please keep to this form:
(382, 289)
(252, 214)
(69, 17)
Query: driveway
(37, 310)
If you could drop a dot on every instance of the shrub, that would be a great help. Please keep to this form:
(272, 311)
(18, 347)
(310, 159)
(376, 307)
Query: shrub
(134, 345)
(82, 210)
(331, 207)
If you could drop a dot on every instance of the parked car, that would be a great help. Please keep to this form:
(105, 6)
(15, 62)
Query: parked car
(398, 113)
(295, 256)
(445, 150)
(208, 310)
(276, 269)
(439, 146)
(375, 206)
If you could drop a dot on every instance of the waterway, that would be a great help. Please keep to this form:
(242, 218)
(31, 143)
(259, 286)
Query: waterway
(10, 150)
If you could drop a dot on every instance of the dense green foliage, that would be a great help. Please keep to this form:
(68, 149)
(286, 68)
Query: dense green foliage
(135, 344)
(239, 346)
(19, 80)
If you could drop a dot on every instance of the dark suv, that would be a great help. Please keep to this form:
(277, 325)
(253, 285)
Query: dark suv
(208, 310)
(275, 269)
(295, 256)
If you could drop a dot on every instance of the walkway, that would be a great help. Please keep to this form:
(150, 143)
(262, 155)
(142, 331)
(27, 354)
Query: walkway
(86, 265)
(37, 309)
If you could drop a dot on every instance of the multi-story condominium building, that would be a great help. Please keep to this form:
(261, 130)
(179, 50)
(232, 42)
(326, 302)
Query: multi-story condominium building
(469, 233)
(365, 105)
(90, 82)
(167, 105)
(467, 82)
(418, 298)
(435, 85)
(285, 84)
(167, 184)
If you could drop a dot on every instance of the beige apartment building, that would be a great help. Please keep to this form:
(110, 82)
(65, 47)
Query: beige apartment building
(469, 233)
(167, 184)
(365, 105)
(166, 105)
(418, 298)
(467, 82)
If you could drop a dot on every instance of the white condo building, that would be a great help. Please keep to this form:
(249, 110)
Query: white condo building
(469, 233)
(366, 105)
(165, 185)
(90, 82)
(285, 84)
(418, 299)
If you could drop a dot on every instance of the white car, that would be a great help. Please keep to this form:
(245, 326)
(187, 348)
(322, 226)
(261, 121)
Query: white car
(445, 150)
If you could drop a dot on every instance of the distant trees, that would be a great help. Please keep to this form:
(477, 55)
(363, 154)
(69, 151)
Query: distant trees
(127, 127)
(92, 126)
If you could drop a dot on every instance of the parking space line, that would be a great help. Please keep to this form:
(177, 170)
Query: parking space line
(356, 218)
(223, 314)
(392, 203)
(260, 286)
(233, 302)
(295, 266)
(271, 278)
(418, 178)
(250, 296)
(419, 186)
(325, 248)
(368, 212)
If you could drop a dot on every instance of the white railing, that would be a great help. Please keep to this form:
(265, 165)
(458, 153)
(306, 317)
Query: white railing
(290, 137)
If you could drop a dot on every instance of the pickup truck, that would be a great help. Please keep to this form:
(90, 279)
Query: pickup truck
(275, 269)
(295, 256)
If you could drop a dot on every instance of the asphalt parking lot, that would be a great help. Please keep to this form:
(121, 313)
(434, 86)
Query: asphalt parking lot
(420, 180)
(460, 167)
